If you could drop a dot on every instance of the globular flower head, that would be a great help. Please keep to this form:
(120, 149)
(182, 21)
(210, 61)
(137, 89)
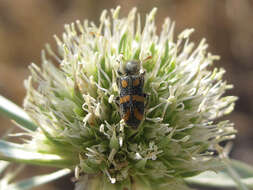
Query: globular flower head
(76, 110)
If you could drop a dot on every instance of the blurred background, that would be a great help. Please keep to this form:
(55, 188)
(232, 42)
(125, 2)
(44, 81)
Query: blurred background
(25, 27)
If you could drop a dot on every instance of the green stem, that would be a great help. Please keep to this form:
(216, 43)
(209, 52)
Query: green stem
(18, 153)
(12, 111)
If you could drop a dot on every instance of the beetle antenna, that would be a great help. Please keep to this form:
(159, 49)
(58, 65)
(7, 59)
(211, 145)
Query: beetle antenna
(147, 58)
(95, 34)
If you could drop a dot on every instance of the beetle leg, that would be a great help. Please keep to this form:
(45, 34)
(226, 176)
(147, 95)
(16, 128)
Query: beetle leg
(142, 72)
(117, 100)
(117, 81)
(146, 96)
(119, 72)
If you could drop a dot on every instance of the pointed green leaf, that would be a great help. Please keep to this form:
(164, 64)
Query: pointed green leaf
(18, 153)
(231, 172)
(225, 179)
(11, 110)
(38, 180)
(243, 169)
(220, 179)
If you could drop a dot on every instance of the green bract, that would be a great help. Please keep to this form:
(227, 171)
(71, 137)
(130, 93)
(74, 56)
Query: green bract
(74, 105)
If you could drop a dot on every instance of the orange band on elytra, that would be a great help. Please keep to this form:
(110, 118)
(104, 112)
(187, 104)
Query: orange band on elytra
(124, 83)
(124, 99)
(137, 114)
(136, 82)
(138, 98)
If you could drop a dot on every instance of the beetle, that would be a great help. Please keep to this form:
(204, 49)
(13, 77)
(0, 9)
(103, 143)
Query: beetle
(131, 97)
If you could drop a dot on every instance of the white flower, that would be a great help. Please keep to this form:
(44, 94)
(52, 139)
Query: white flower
(74, 106)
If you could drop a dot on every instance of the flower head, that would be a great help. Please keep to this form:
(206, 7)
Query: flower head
(76, 110)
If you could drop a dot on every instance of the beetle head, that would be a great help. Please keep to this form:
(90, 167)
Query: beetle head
(131, 67)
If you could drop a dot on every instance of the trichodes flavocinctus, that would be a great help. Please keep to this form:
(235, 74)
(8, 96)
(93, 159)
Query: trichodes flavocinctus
(131, 97)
